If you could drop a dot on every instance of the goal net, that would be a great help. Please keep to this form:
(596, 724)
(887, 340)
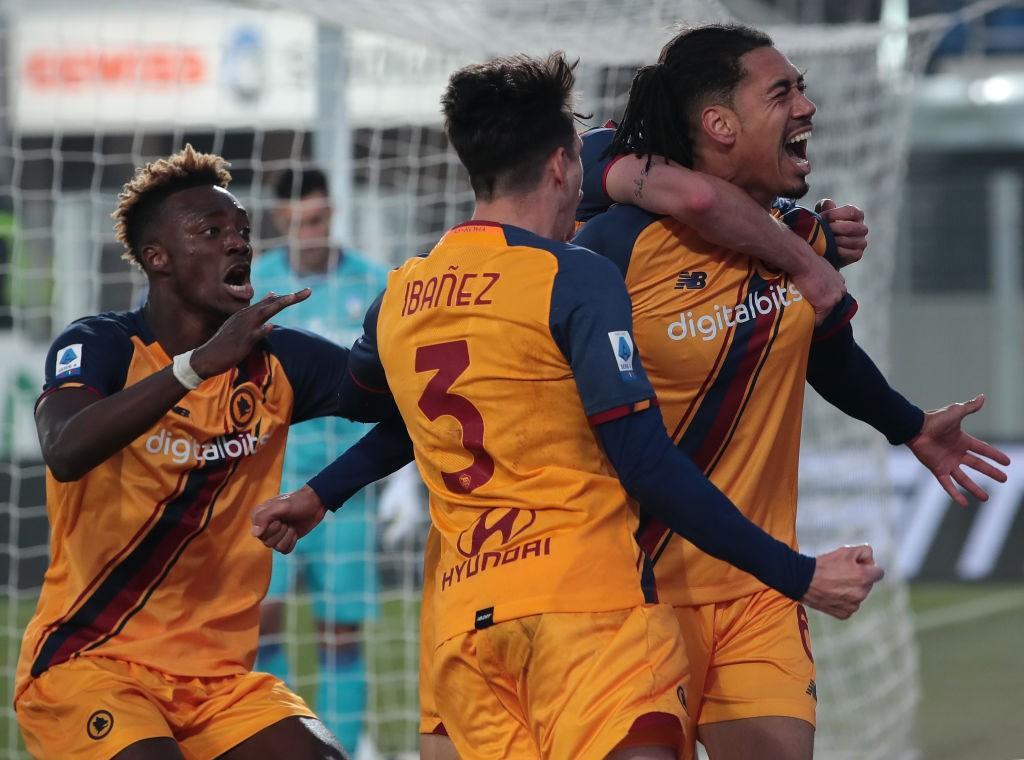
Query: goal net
(352, 86)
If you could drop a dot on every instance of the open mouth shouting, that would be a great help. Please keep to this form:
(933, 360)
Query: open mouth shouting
(236, 281)
(795, 148)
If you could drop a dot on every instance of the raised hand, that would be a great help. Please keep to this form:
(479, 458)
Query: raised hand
(944, 448)
(842, 580)
(281, 521)
(848, 228)
(239, 333)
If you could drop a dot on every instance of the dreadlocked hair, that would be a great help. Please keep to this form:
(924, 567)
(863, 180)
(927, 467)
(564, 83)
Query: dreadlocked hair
(698, 67)
(139, 202)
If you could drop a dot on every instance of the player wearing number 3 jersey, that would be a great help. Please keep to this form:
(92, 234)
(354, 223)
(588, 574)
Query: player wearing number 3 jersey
(510, 356)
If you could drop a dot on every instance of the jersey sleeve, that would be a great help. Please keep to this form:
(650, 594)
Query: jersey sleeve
(845, 376)
(365, 395)
(315, 368)
(384, 450)
(595, 168)
(815, 230)
(614, 233)
(365, 367)
(591, 321)
(671, 488)
(91, 353)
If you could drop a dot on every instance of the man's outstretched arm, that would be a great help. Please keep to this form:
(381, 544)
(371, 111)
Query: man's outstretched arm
(845, 376)
(364, 395)
(670, 487)
(281, 521)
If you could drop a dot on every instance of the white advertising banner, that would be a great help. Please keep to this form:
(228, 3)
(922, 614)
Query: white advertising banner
(81, 69)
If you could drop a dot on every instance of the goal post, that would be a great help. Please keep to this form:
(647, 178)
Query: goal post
(354, 86)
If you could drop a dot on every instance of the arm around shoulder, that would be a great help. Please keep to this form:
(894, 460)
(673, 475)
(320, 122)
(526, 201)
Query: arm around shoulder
(725, 215)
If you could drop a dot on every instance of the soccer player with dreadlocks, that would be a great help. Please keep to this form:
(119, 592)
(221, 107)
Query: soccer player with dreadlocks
(728, 345)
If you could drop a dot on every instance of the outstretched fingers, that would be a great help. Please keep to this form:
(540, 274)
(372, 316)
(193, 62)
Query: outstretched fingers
(954, 493)
(976, 463)
(275, 304)
(968, 484)
(987, 450)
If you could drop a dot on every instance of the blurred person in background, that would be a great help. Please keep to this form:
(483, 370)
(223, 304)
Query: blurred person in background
(337, 561)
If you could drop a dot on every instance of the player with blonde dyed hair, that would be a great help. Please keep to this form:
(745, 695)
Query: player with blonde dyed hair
(159, 428)
(141, 196)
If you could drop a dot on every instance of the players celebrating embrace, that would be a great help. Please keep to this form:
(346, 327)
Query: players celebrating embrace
(728, 345)
(535, 428)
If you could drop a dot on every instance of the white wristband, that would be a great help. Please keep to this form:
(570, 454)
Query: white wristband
(184, 373)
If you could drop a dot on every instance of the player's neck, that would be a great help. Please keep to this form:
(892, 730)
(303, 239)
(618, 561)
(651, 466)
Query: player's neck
(719, 165)
(529, 212)
(176, 326)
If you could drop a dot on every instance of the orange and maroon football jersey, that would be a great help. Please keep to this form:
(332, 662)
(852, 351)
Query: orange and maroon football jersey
(502, 348)
(725, 343)
(151, 556)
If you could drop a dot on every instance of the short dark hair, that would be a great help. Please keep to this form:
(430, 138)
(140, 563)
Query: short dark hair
(696, 67)
(293, 184)
(142, 197)
(506, 116)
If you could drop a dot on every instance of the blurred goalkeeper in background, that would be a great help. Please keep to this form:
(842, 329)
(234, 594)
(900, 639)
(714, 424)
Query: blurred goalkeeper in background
(337, 562)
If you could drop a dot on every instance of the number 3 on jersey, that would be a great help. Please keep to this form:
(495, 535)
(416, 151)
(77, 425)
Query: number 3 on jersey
(451, 360)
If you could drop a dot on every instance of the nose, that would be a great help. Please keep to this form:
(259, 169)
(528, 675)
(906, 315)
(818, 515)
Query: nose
(235, 242)
(804, 107)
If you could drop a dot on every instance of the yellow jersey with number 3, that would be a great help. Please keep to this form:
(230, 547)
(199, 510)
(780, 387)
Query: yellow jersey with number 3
(502, 348)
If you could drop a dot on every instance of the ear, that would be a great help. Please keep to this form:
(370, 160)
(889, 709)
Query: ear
(155, 258)
(720, 124)
(558, 165)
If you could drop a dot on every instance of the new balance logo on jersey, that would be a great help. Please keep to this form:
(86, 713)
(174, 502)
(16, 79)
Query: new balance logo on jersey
(691, 280)
(186, 449)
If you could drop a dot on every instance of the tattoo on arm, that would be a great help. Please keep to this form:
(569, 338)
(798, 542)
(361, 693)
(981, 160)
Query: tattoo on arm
(638, 183)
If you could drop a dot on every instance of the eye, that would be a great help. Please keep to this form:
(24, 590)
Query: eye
(210, 232)
(245, 232)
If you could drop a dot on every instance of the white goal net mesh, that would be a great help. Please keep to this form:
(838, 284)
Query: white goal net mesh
(352, 86)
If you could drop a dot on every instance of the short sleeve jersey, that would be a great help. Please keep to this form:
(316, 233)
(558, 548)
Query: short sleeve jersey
(502, 349)
(725, 342)
(151, 556)
(335, 311)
